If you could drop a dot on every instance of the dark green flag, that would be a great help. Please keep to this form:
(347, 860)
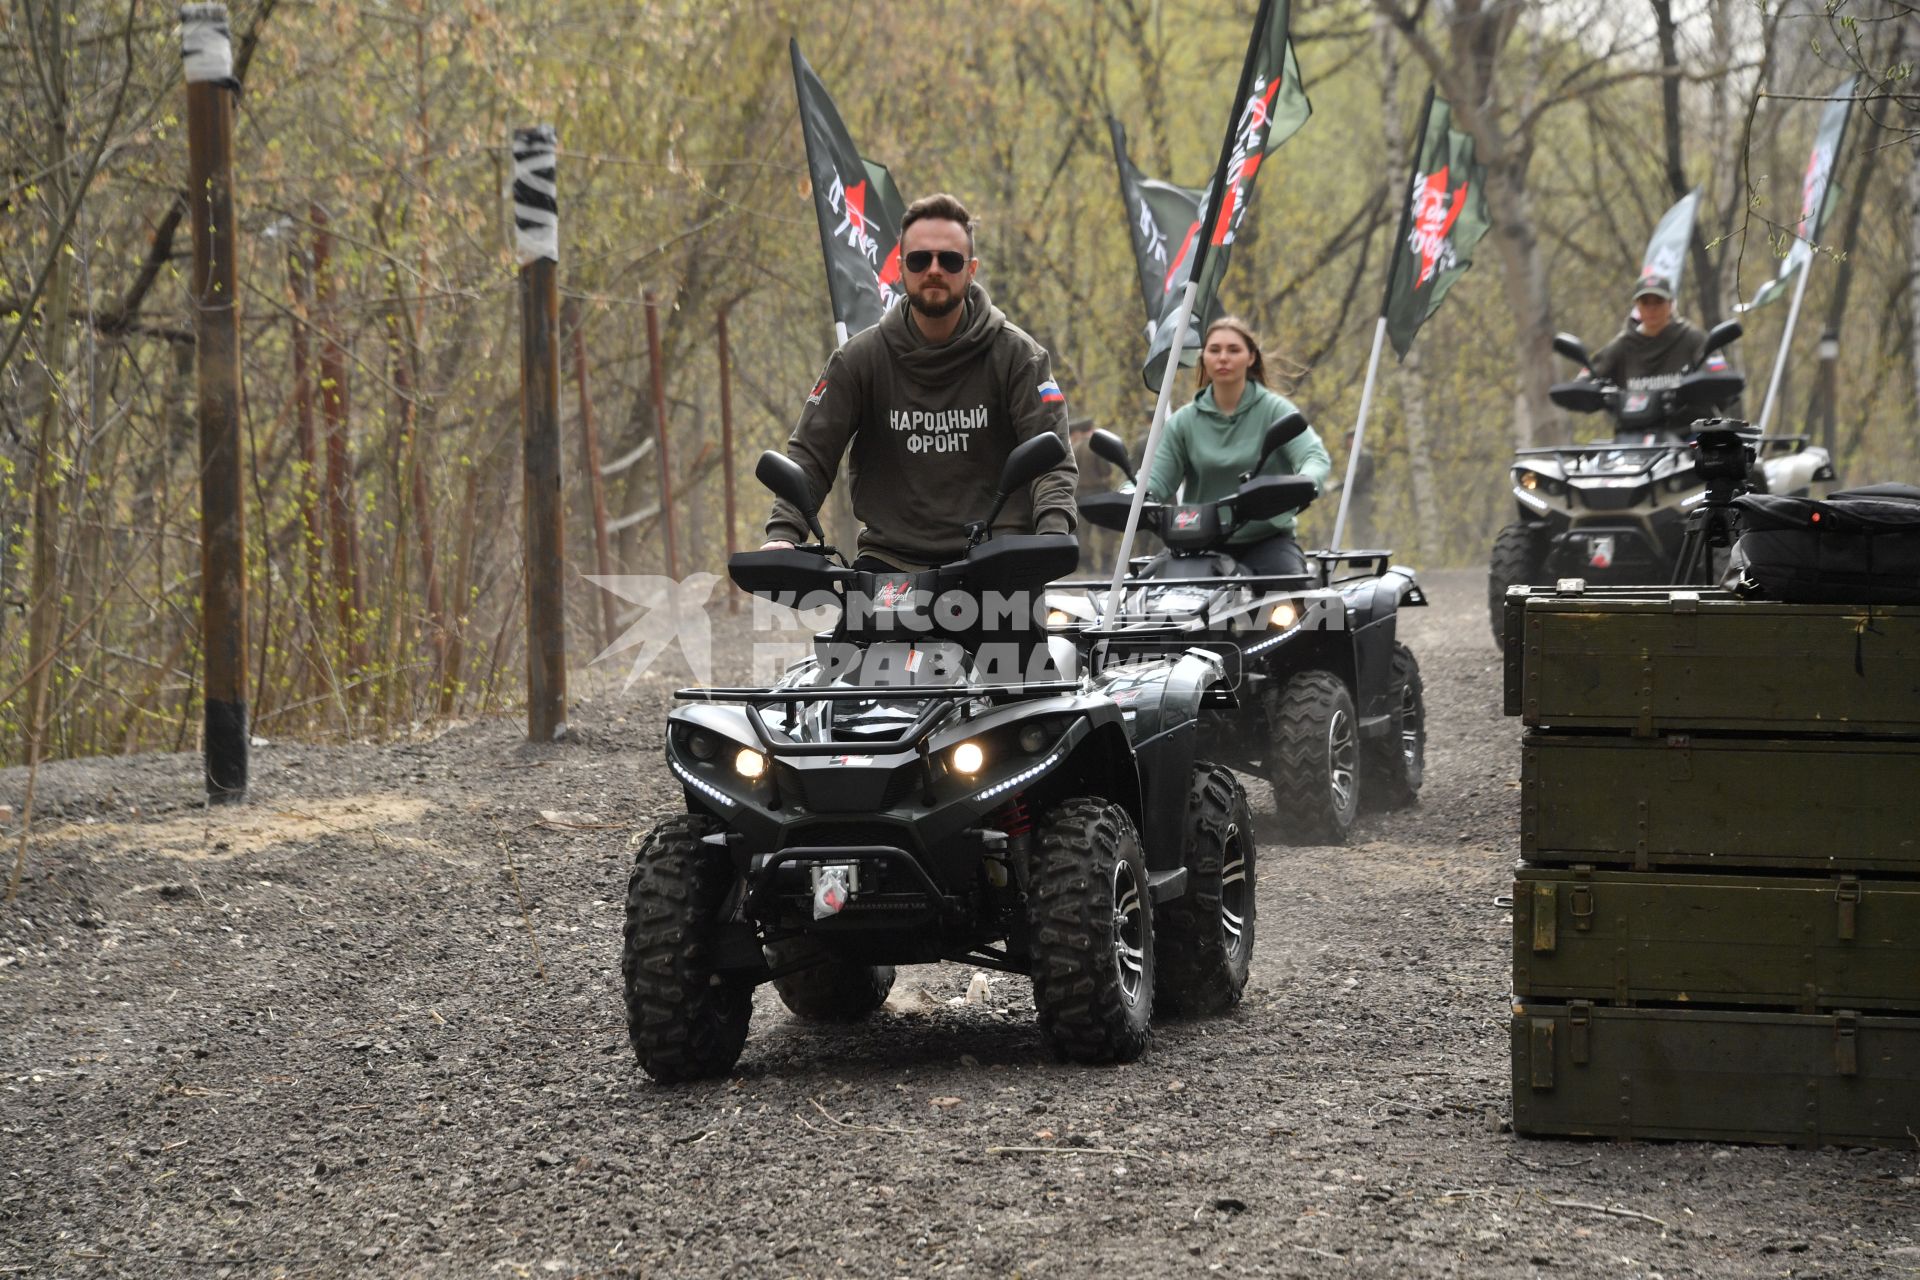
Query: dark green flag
(1269, 107)
(857, 205)
(1444, 216)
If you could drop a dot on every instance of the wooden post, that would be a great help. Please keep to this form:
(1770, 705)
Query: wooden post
(726, 443)
(656, 375)
(537, 230)
(590, 463)
(206, 47)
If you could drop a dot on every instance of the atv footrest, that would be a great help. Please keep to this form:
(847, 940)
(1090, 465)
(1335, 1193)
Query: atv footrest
(1164, 886)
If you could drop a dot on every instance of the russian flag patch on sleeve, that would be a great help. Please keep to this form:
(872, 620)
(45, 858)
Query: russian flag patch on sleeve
(1050, 393)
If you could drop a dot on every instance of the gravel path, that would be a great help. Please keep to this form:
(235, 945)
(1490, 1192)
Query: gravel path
(370, 1024)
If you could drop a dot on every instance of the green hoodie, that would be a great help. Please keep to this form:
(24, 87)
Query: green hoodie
(928, 428)
(1207, 450)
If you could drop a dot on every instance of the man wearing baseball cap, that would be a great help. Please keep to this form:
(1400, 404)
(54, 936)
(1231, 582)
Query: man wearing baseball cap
(1656, 346)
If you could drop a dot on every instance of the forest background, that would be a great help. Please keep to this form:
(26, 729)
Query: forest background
(378, 285)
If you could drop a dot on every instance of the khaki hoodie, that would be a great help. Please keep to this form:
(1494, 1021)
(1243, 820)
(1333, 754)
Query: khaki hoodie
(929, 428)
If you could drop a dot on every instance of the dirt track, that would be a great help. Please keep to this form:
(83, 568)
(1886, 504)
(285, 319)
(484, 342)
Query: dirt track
(315, 1037)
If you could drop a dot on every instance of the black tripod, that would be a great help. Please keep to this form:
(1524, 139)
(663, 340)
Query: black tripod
(1709, 525)
(1725, 459)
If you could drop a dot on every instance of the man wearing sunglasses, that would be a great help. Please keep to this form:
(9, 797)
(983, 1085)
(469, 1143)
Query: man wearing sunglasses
(926, 405)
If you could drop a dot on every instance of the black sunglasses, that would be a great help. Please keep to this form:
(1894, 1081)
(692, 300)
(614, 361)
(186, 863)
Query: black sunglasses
(952, 261)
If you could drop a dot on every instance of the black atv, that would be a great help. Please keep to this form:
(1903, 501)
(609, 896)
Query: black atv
(938, 781)
(1327, 703)
(1616, 511)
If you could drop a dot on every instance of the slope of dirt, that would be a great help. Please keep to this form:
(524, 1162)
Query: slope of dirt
(370, 1023)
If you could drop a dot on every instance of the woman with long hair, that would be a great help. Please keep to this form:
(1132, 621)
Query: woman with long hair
(1209, 443)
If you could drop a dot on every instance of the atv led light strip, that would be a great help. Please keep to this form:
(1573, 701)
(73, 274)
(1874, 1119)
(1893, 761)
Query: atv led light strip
(1025, 775)
(704, 787)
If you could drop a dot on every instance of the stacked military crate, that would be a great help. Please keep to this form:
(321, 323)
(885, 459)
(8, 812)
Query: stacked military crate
(1716, 928)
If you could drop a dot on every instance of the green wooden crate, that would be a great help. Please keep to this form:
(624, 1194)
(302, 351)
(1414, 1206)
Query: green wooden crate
(1698, 800)
(1651, 660)
(1799, 943)
(1583, 1070)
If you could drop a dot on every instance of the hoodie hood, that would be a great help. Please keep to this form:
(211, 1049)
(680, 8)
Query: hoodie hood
(1257, 394)
(924, 362)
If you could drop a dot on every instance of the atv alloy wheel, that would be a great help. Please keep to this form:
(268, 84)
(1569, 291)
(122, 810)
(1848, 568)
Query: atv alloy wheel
(831, 990)
(1515, 562)
(1205, 937)
(1396, 764)
(1091, 934)
(1313, 759)
(685, 1020)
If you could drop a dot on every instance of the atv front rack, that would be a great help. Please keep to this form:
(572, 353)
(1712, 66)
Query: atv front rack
(940, 700)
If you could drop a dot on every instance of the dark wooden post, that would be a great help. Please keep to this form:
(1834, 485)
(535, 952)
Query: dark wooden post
(726, 442)
(206, 47)
(537, 232)
(590, 462)
(657, 376)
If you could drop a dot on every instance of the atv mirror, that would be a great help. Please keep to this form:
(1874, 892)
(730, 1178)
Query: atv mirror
(1027, 463)
(1572, 348)
(789, 483)
(1727, 331)
(1278, 433)
(1113, 449)
(1030, 461)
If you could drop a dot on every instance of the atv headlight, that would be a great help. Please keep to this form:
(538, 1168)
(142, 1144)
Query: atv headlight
(1284, 615)
(1059, 618)
(1032, 738)
(1529, 480)
(702, 746)
(968, 758)
(749, 764)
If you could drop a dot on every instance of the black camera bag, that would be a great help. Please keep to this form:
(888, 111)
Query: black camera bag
(1857, 546)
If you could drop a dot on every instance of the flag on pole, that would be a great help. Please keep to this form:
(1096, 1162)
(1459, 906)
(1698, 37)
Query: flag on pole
(858, 207)
(1817, 192)
(1667, 249)
(1156, 211)
(1442, 219)
(1269, 107)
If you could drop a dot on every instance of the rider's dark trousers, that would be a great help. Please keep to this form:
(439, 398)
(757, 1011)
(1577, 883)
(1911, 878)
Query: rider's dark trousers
(1276, 555)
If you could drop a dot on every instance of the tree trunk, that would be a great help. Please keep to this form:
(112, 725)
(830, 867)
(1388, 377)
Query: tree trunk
(1525, 276)
(341, 520)
(1913, 269)
(307, 485)
(1706, 275)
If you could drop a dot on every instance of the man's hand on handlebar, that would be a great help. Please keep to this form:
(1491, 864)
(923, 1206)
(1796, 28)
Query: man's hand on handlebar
(776, 544)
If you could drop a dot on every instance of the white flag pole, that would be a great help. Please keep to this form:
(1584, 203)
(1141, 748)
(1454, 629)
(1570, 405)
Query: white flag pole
(1359, 434)
(1160, 408)
(1786, 341)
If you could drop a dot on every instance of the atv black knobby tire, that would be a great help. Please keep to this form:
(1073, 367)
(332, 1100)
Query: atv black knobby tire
(685, 1021)
(1091, 934)
(1203, 940)
(831, 990)
(1515, 562)
(1313, 758)
(1396, 764)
